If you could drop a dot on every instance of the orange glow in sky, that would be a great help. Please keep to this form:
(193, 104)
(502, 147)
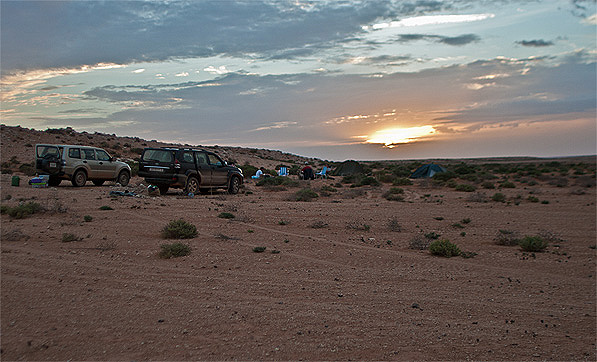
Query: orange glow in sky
(393, 136)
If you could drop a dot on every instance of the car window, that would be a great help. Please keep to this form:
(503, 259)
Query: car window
(74, 152)
(214, 160)
(157, 155)
(89, 154)
(187, 156)
(47, 151)
(201, 158)
(102, 155)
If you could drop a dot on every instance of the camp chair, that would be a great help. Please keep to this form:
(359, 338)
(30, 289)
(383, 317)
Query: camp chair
(283, 171)
(323, 173)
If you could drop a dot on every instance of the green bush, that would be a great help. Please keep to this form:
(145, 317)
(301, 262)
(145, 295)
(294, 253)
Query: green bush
(369, 180)
(305, 194)
(498, 197)
(465, 188)
(68, 237)
(105, 207)
(87, 218)
(174, 250)
(277, 181)
(444, 176)
(444, 248)
(508, 185)
(259, 249)
(179, 229)
(488, 185)
(402, 181)
(533, 243)
(23, 210)
(507, 237)
(394, 194)
(226, 215)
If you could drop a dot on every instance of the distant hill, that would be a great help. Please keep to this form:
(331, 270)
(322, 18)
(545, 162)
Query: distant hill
(17, 148)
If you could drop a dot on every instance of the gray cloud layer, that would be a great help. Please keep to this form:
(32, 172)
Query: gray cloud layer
(42, 34)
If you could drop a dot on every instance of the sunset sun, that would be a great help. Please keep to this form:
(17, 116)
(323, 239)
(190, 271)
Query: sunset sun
(392, 136)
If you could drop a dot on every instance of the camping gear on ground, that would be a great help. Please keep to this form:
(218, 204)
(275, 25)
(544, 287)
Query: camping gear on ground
(427, 171)
(15, 181)
(40, 181)
(348, 168)
(153, 190)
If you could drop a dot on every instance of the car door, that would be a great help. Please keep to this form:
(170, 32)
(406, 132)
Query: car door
(106, 169)
(204, 168)
(219, 172)
(90, 162)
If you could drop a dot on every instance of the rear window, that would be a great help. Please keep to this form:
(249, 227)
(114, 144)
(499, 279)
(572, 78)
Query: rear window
(157, 155)
(47, 151)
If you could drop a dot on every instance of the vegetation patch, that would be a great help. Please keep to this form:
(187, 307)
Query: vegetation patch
(444, 248)
(22, 210)
(465, 188)
(87, 218)
(179, 229)
(305, 194)
(105, 207)
(394, 194)
(226, 215)
(507, 237)
(533, 243)
(69, 237)
(498, 197)
(259, 249)
(174, 250)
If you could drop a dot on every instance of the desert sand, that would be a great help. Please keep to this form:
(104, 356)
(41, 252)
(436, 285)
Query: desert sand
(338, 279)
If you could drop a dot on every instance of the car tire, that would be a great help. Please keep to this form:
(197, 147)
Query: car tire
(123, 178)
(54, 181)
(192, 185)
(79, 178)
(98, 182)
(234, 185)
(163, 189)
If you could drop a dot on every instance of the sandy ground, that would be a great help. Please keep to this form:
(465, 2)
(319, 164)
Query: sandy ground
(337, 292)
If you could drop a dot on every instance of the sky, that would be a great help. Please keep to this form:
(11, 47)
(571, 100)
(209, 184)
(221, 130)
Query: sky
(336, 80)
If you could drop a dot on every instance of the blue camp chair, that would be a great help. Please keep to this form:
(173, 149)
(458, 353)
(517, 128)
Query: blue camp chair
(283, 171)
(323, 173)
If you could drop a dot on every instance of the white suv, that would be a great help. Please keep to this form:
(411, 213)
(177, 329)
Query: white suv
(79, 164)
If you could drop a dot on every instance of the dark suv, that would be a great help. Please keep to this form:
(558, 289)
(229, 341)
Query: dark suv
(190, 169)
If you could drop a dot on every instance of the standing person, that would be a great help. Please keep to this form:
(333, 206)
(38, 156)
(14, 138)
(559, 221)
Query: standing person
(308, 172)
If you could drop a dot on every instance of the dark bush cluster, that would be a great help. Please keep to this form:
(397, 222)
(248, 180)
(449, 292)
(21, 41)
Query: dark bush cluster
(179, 229)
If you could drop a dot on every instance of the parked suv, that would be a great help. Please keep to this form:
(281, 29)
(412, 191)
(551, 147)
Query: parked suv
(79, 164)
(189, 169)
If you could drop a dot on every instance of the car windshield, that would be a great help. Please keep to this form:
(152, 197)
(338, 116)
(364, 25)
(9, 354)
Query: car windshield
(157, 155)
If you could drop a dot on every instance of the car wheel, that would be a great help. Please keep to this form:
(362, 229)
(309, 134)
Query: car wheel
(98, 182)
(123, 178)
(192, 185)
(79, 178)
(163, 189)
(234, 185)
(54, 181)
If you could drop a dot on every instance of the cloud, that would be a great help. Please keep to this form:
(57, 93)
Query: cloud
(69, 34)
(535, 43)
(432, 20)
(456, 40)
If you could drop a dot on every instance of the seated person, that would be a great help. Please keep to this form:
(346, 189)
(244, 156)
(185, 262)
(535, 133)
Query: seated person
(308, 173)
(258, 174)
